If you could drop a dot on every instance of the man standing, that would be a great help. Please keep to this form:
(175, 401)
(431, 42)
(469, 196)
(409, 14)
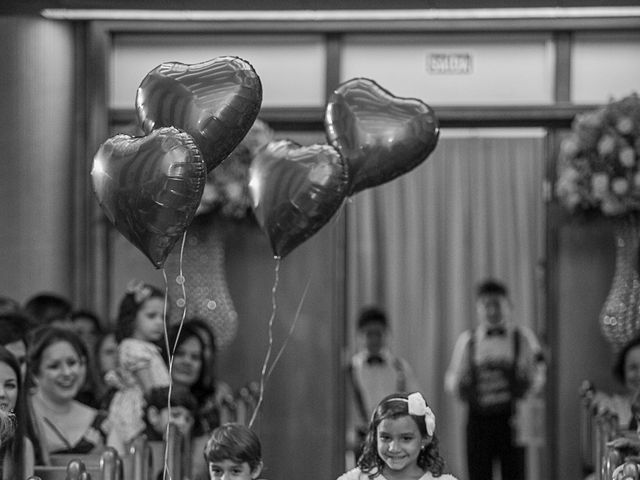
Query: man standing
(492, 367)
(374, 372)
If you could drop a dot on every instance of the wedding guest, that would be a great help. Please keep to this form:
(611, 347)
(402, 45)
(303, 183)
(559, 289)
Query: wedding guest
(626, 370)
(49, 309)
(492, 367)
(57, 365)
(88, 327)
(233, 451)
(401, 442)
(373, 373)
(158, 414)
(141, 367)
(194, 369)
(106, 363)
(14, 329)
(16, 450)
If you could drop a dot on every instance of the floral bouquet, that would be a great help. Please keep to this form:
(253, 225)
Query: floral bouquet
(227, 189)
(598, 166)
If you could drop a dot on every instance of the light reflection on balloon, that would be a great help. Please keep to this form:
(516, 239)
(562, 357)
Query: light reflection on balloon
(379, 135)
(216, 102)
(150, 187)
(295, 190)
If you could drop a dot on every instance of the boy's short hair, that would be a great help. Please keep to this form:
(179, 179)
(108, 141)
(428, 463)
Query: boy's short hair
(235, 442)
(372, 315)
(491, 287)
(180, 397)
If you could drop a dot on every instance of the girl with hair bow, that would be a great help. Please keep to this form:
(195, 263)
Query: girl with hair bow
(401, 443)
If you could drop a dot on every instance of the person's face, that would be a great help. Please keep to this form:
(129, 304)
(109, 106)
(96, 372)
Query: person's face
(108, 354)
(374, 334)
(187, 362)
(230, 470)
(8, 387)
(632, 369)
(399, 442)
(491, 309)
(61, 372)
(179, 416)
(86, 329)
(150, 320)
(19, 350)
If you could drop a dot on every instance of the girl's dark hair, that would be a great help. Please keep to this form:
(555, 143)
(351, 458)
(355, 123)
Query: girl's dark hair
(621, 357)
(129, 306)
(205, 385)
(15, 445)
(235, 442)
(394, 406)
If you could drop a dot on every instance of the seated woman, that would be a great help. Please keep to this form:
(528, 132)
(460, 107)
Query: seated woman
(16, 450)
(193, 368)
(626, 370)
(57, 362)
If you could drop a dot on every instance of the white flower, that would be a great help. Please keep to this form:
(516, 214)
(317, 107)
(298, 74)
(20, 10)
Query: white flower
(624, 125)
(619, 186)
(606, 145)
(570, 147)
(627, 157)
(600, 185)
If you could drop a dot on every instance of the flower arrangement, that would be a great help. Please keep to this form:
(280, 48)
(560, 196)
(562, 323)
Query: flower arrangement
(598, 165)
(227, 189)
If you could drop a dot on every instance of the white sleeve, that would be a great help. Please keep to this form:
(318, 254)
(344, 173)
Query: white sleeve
(458, 365)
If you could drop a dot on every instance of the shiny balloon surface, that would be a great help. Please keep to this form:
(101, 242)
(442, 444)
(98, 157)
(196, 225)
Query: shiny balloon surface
(295, 191)
(215, 102)
(379, 135)
(150, 187)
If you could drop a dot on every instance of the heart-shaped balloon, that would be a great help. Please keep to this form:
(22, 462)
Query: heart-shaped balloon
(379, 135)
(295, 191)
(150, 187)
(215, 102)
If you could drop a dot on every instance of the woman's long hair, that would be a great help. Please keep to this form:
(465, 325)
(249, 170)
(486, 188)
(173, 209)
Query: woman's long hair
(15, 442)
(394, 406)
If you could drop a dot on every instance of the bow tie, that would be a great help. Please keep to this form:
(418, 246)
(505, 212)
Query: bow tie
(375, 360)
(496, 331)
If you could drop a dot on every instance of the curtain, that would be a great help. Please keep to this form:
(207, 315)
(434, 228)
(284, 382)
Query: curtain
(418, 245)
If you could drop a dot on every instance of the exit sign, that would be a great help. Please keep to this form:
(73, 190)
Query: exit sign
(449, 63)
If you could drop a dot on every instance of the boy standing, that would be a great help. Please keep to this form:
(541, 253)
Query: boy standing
(492, 367)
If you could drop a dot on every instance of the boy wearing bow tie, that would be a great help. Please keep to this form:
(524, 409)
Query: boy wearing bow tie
(373, 373)
(492, 367)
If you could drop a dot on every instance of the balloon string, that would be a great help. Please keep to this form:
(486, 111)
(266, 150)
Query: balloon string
(171, 351)
(268, 354)
(291, 329)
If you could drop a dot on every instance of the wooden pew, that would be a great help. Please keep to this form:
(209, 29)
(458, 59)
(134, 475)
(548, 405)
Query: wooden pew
(107, 467)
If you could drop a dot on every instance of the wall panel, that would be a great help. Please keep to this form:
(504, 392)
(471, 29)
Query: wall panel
(36, 140)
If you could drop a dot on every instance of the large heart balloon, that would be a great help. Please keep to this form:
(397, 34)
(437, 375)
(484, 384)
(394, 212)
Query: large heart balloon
(150, 187)
(380, 136)
(215, 102)
(295, 191)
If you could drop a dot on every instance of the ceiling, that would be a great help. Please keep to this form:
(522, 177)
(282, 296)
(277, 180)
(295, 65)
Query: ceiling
(33, 7)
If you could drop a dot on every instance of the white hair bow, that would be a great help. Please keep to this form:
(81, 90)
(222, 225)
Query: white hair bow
(418, 406)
